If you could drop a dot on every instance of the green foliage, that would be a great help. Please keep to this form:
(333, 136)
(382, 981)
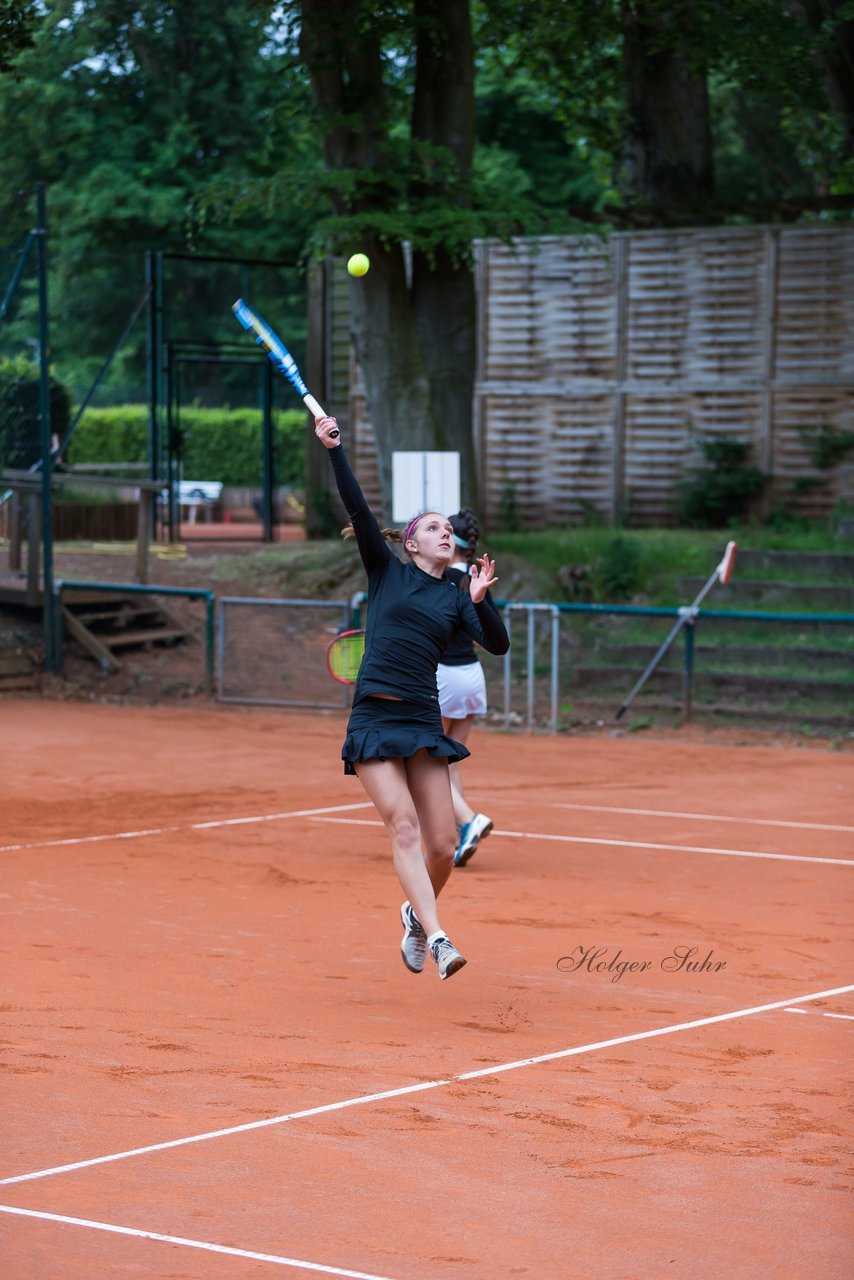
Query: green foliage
(138, 117)
(20, 444)
(640, 723)
(617, 572)
(722, 491)
(785, 515)
(187, 127)
(510, 522)
(18, 21)
(219, 444)
(322, 521)
(666, 555)
(778, 128)
(826, 445)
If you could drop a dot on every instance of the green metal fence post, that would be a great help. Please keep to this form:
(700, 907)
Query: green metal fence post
(210, 608)
(267, 450)
(688, 673)
(45, 437)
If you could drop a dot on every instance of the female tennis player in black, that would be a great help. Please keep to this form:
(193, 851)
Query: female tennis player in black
(395, 743)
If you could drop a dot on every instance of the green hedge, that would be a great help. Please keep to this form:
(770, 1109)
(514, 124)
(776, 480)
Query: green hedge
(219, 444)
(20, 442)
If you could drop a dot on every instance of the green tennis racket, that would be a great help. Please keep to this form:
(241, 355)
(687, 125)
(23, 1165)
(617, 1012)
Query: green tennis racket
(344, 656)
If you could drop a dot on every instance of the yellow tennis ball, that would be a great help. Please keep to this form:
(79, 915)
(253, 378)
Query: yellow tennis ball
(358, 265)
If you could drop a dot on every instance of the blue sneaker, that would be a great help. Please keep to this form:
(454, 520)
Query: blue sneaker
(470, 837)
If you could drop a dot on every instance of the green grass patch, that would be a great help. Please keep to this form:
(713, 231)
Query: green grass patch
(659, 557)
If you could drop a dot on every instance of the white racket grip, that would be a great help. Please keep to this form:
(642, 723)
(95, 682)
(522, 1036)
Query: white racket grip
(316, 412)
(313, 407)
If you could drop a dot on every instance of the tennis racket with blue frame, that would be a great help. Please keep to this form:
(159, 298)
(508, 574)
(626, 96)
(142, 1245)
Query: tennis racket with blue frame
(278, 354)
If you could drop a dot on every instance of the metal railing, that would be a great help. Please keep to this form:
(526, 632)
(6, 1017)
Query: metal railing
(689, 618)
(532, 610)
(307, 659)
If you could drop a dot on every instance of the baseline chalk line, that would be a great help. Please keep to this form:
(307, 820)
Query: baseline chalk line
(193, 1244)
(426, 1086)
(628, 844)
(191, 826)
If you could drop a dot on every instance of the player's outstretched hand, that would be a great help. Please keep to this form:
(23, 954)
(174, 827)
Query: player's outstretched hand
(482, 578)
(327, 432)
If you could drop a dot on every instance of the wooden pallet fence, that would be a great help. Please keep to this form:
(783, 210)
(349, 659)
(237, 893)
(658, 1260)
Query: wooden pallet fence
(604, 364)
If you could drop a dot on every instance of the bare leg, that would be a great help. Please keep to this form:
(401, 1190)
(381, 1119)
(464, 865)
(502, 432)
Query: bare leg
(390, 784)
(459, 730)
(429, 786)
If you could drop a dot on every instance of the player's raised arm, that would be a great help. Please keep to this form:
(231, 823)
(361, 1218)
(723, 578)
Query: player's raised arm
(372, 544)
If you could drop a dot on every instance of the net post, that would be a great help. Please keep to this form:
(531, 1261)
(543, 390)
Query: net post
(688, 673)
(507, 672)
(210, 609)
(530, 691)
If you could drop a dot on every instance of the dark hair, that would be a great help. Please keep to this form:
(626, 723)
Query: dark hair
(465, 526)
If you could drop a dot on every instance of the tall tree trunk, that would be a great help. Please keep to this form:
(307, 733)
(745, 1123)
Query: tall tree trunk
(443, 292)
(413, 323)
(668, 149)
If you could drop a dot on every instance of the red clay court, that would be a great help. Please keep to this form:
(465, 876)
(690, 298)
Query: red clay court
(216, 1065)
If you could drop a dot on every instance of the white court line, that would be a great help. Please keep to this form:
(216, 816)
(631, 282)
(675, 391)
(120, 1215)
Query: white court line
(819, 1013)
(630, 844)
(113, 835)
(193, 1244)
(192, 826)
(320, 814)
(701, 817)
(409, 1089)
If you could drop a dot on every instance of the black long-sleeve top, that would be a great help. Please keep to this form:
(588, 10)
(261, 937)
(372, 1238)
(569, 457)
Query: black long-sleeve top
(411, 614)
(460, 651)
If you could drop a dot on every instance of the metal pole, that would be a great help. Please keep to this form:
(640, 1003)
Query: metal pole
(159, 455)
(555, 663)
(530, 669)
(57, 613)
(267, 450)
(172, 518)
(688, 674)
(220, 653)
(210, 616)
(686, 615)
(507, 673)
(151, 366)
(48, 602)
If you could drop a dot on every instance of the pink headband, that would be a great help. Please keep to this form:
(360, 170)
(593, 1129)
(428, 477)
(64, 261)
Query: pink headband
(411, 526)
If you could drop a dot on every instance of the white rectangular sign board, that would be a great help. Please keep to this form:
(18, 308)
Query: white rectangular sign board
(427, 481)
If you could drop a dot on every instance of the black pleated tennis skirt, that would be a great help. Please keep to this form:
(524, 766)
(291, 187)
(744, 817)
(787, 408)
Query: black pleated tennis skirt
(386, 729)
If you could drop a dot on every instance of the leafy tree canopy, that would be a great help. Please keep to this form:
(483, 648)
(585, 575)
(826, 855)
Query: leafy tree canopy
(187, 126)
(18, 22)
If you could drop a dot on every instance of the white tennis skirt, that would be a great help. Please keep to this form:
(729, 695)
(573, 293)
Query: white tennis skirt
(462, 691)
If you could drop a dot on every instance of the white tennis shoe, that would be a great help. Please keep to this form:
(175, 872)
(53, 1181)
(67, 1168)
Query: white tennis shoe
(448, 959)
(413, 945)
(470, 837)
